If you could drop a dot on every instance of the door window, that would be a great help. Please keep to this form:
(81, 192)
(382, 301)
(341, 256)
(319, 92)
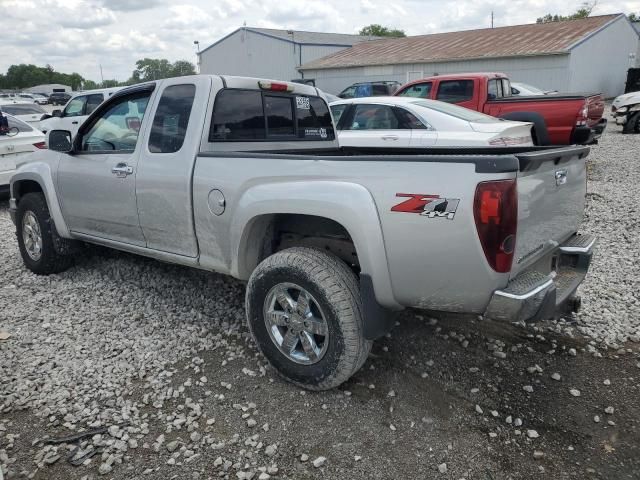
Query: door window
(75, 107)
(374, 117)
(117, 129)
(92, 102)
(171, 120)
(455, 91)
(408, 120)
(419, 90)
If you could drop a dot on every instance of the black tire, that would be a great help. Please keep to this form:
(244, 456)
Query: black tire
(334, 287)
(632, 124)
(56, 252)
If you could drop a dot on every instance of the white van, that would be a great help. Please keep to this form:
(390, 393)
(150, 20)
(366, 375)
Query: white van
(76, 111)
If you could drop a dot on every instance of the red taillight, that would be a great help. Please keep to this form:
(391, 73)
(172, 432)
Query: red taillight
(275, 86)
(41, 145)
(583, 115)
(495, 209)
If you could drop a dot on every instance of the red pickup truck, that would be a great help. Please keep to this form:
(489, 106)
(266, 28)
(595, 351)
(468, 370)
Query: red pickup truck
(558, 119)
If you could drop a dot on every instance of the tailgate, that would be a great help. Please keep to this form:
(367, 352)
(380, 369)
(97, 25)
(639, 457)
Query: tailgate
(551, 197)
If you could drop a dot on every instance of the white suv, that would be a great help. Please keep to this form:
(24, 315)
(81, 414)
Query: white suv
(76, 111)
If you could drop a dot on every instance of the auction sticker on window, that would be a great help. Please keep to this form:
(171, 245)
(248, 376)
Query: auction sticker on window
(303, 103)
(315, 132)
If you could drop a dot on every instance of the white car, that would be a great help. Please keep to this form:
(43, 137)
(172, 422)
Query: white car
(15, 145)
(30, 113)
(526, 90)
(76, 111)
(409, 122)
(626, 111)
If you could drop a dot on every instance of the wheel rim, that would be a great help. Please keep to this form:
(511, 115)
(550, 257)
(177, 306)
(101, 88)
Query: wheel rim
(296, 323)
(32, 235)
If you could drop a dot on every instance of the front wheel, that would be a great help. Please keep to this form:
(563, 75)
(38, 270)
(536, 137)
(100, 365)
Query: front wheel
(305, 313)
(632, 125)
(43, 251)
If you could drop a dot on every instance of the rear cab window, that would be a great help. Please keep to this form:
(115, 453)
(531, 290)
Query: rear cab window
(254, 115)
(455, 91)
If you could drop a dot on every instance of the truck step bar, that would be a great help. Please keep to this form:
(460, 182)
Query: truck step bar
(534, 296)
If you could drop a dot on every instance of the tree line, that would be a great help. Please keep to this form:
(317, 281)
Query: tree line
(23, 76)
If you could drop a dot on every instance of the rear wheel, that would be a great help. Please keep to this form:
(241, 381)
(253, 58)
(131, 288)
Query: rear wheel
(43, 251)
(305, 313)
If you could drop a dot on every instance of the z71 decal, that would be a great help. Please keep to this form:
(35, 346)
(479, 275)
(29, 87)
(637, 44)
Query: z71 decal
(431, 206)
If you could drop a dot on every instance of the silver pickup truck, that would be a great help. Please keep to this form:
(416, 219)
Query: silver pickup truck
(245, 177)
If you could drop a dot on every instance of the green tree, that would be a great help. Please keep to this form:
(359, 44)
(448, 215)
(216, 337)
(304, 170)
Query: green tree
(375, 30)
(634, 17)
(90, 85)
(583, 12)
(182, 67)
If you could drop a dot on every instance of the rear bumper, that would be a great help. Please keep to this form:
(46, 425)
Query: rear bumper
(533, 296)
(587, 135)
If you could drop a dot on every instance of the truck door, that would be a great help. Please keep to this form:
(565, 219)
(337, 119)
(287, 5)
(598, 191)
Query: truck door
(97, 180)
(163, 183)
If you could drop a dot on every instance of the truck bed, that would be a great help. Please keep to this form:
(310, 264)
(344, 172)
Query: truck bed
(486, 159)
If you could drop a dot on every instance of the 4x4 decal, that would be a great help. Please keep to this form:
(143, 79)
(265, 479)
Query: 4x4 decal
(431, 206)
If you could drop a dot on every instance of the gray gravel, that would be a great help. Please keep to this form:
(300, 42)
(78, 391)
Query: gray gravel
(153, 363)
(611, 312)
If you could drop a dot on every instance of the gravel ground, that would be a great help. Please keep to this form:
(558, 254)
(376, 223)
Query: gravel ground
(153, 366)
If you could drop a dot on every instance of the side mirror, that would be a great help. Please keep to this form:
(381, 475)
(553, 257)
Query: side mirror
(45, 116)
(60, 141)
(56, 113)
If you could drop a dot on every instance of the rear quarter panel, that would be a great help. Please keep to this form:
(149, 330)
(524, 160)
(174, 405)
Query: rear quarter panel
(427, 262)
(560, 115)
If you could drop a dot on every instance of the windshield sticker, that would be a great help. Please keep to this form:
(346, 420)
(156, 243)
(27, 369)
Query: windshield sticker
(315, 132)
(303, 103)
(430, 206)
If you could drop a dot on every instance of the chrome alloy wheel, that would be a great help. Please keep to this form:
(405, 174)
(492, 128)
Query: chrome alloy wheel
(296, 323)
(32, 235)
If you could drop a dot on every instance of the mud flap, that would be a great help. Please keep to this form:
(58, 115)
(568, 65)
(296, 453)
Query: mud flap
(378, 321)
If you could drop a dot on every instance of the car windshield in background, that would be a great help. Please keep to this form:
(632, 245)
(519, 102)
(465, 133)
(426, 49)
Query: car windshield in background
(19, 124)
(23, 109)
(456, 111)
(419, 90)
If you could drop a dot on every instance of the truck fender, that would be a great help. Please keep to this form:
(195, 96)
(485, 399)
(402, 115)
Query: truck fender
(40, 173)
(349, 204)
(540, 131)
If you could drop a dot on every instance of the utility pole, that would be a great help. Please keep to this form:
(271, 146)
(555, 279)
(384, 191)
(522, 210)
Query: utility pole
(101, 76)
(197, 44)
(492, 18)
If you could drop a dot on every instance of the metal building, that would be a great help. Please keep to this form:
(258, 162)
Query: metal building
(48, 88)
(587, 55)
(271, 53)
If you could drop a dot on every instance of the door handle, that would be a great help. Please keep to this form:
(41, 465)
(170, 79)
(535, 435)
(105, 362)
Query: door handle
(390, 137)
(121, 170)
(75, 123)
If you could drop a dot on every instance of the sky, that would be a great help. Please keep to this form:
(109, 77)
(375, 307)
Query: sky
(82, 35)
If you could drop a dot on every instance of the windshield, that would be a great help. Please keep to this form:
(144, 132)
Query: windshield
(455, 111)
